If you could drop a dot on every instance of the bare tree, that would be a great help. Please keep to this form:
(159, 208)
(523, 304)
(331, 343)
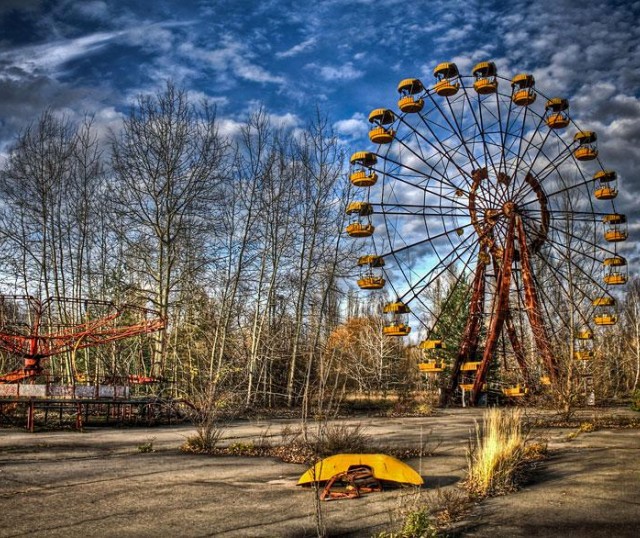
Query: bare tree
(168, 162)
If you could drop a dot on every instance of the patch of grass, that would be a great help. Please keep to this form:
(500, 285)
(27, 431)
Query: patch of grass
(146, 447)
(585, 427)
(205, 440)
(430, 514)
(341, 438)
(499, 455)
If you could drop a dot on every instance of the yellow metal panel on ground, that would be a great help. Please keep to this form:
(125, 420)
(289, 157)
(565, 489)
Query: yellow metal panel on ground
(382, 466)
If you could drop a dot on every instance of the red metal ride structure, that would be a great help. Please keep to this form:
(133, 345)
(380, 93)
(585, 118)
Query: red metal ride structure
(34, 329)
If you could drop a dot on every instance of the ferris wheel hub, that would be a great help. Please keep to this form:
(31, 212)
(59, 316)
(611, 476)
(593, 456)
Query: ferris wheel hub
(509, 208)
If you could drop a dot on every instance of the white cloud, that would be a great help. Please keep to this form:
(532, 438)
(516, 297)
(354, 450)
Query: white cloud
(332, 73)
(233, 58)
(354, 127)
(297, 49)
(51, 57)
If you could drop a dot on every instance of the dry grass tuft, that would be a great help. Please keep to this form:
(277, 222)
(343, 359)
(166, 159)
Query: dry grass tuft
(500, 454)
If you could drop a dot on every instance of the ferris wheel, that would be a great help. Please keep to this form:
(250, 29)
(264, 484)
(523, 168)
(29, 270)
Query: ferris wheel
(488, 185)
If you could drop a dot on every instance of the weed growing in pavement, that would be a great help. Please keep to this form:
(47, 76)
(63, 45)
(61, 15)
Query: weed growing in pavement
(147, 446)
(498, 456)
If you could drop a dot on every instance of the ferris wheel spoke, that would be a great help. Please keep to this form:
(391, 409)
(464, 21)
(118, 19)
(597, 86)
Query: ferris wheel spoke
(457, 130)
(547, 171)
(404, 180)
(564, 255)
(581, 240)
(521, 153)
(389, 208)
(554, 271)
(444, 265)
(444, 154)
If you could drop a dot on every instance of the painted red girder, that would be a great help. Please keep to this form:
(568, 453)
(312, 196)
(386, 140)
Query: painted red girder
(532, 306)
(471, 335)
(36, 345)
(518, 350)
(499, 311)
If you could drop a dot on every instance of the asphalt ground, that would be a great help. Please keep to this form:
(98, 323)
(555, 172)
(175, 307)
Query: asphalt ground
(98, 483)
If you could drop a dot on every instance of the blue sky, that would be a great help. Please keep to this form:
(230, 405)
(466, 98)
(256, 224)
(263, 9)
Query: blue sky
(345, 56)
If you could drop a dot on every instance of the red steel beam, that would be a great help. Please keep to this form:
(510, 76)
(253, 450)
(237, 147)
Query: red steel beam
(532, 306)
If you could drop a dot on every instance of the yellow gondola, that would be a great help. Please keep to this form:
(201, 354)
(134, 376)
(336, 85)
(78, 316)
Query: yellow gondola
(515, 392)
(522, 86)
(360, 178)
(556, 115)
(586, 150)
(407, 89)
(485, 74)
(605, 188)
(368, 279)
(615, 270)
(469, 366)
(605, 319)
(432, 344)
(583, 355)
(359, 229)
(615, 227)
(396, 329)
(397, 326)
(379, 118)
(446, 75)
(431, 366)
(584, 334)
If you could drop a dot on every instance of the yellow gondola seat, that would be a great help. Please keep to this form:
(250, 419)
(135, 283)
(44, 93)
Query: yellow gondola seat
(469, 366)
(616, 227)
(397, 307)
(396, 329)
(371, 282)
(605, 319)
(431, 366)
(522, 87)
(515, 392)
(359, 229)
(485, 74)
(446, 75)
(466, 386)
(586, 150)
(604, 301)
(380, 135)
(363, 158)
(360, 178)
(583, 355)
(556, 113)
(432, 344)
(408, 88)
(584, 334)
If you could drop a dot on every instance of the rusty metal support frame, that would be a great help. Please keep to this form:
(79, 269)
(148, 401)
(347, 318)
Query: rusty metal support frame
(471, 335)
(499, 311)
(532, 305)
(36, 346)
